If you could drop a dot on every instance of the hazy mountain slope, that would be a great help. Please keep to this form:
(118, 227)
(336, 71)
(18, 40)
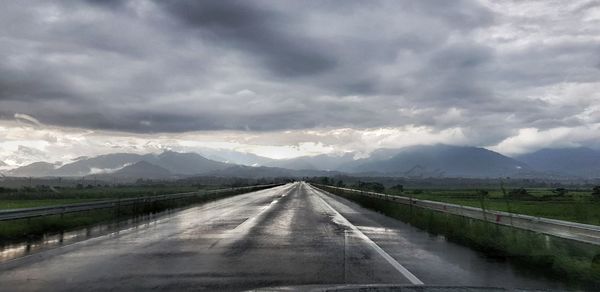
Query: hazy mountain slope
(243, 171)
(352, 165)
(235, 157)
(318, 162)
(143, 169)
(321, 162)
(98, 164)
(185, 163)
(2, 163)
(35, 169)
(583, 162)
(441, 160)
(295, 163)
(174, 162)
(250, 172)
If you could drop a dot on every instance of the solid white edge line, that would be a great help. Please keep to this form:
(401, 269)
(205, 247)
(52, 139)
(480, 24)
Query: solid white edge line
(400, 268)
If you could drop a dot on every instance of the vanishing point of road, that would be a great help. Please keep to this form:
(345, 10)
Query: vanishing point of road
(289, 235)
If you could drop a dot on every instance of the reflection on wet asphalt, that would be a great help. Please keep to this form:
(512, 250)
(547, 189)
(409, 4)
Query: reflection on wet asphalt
(288, 235)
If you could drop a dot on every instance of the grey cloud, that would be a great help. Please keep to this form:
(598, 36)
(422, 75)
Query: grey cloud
(249, 27)
(176, 66)
(461, 15)
(107, 3)
(461, 57)
(23, 85)
(582, 7)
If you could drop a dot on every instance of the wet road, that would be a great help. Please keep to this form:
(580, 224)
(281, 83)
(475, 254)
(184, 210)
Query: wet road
(288, 235)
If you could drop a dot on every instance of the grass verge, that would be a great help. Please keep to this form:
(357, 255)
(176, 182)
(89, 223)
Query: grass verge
(17, 204)
(573, 208)
(576, 263)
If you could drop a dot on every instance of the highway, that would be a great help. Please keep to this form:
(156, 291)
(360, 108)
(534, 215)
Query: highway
(283, 236)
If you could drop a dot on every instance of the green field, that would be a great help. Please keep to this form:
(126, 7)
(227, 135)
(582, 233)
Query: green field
(575, 205)
(29, 198)
(16, 204)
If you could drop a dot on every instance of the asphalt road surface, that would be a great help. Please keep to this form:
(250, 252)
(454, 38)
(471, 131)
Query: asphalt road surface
(288, 235)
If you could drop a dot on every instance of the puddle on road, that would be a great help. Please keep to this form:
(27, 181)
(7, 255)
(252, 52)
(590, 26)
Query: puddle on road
(13, 250)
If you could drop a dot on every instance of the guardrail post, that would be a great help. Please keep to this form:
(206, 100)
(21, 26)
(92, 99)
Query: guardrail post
(482, 201)
(118, 206)
(410, 198)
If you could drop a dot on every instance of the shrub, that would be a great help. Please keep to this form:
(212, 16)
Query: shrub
(596, 192)
(398, 188)
(371, 186)
(323, 180)
(520, 194)
(6, 190)
(560, 191)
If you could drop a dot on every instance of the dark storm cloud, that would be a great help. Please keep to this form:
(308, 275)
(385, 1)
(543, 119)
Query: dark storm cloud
(175, 66)
(249, 27)
(19, 85)
(107, 3)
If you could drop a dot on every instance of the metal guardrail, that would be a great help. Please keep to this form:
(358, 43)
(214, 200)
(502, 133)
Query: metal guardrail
(25, 213)
(565, 229)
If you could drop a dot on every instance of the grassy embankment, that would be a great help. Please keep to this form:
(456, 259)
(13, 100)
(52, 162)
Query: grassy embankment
(576, 263)
(23, 229)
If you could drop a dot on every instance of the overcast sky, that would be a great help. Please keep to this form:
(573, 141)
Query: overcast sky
(287, 78)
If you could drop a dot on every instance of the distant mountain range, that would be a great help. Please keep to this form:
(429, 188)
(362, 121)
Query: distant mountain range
(125, 164)
(143, 169)
(99, 164)
(415, 161)
(264, 171)
(235, 157)
(318, 162)
(439, 161)
(185, 163)
(165, 165)
(35, 169)
(580, 162)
